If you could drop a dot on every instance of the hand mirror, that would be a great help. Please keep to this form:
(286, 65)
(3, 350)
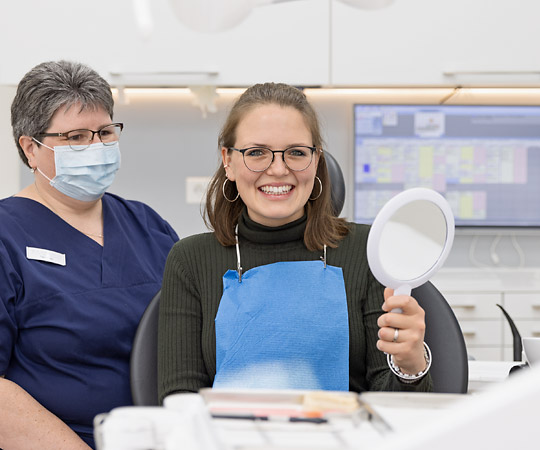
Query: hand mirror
(410, 239)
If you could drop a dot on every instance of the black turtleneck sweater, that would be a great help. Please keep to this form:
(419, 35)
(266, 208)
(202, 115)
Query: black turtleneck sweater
(192, 290)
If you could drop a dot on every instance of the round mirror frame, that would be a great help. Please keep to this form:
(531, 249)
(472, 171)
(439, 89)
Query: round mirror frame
(384, 215)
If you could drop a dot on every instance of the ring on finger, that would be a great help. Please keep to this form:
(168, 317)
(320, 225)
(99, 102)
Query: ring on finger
(396, 335)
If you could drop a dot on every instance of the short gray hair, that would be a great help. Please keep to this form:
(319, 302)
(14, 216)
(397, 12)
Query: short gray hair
(50, 86)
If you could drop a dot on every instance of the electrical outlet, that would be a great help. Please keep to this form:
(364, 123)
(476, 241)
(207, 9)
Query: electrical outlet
(196, 189)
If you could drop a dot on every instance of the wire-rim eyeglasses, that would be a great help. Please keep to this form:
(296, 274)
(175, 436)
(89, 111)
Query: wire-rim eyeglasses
(258, 159)
(81, 139)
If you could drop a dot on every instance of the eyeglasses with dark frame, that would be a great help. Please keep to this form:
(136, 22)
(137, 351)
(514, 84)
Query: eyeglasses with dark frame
(258, 159)
(82, 138)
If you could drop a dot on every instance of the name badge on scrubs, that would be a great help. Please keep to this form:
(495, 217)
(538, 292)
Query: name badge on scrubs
(41, 254)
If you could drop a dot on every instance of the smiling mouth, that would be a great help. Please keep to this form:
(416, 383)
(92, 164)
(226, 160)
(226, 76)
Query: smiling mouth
(276, 190)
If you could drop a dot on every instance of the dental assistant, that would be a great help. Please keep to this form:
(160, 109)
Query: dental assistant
(78, 265)
(279, 295)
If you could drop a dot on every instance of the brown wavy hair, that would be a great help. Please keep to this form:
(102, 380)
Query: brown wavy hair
(221, 216)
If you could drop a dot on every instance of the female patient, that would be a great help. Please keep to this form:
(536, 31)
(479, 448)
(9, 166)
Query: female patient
(77, 265)
(280, 294)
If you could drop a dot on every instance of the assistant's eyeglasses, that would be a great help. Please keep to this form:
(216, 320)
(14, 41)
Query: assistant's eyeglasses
(81, 139)
(258, 159)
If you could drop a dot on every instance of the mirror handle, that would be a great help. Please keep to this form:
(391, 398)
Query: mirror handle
(404, 289)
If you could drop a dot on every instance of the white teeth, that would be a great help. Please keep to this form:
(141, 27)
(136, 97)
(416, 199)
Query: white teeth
(276, 190)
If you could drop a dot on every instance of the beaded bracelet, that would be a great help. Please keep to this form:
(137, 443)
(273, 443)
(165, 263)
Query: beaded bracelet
(406, 377)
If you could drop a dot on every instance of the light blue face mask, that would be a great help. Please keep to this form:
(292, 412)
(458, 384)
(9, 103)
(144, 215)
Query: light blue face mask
(85, 174)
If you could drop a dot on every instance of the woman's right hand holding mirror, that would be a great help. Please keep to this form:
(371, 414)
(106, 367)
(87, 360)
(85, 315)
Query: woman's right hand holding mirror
(402, 334)
(409, 240)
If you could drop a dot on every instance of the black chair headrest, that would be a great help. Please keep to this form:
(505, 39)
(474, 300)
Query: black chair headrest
(337, 181)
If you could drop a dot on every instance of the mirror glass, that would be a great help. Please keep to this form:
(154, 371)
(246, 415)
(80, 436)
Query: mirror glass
(412, 240)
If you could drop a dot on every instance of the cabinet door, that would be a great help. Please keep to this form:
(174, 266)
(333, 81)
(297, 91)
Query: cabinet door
(486, 333)
(474, 305)
(285, 42)
(527, 328)
(523, 305)
(426, 42)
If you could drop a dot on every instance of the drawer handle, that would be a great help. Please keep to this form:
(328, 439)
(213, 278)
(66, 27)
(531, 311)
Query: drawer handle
(467, 306)
(535, 306)
(536, 334)
(469, 333)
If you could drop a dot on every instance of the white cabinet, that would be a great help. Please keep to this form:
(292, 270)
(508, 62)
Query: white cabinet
(303, 42)
(287, 42)
(524, 308)
(426, 42)
(473, 296)
(480, 320)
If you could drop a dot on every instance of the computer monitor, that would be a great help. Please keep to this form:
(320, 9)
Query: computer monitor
(484, 159)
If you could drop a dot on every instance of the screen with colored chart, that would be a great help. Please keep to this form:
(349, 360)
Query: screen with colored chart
(484, 159)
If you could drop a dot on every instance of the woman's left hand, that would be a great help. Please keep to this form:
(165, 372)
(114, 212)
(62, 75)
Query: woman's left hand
(407, 343)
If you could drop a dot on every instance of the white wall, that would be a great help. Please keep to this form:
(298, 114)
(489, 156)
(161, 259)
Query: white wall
(167, 140)
(9, 159)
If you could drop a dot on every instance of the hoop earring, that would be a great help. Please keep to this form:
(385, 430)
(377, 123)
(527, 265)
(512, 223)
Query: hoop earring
(320, 190)
(225, 195)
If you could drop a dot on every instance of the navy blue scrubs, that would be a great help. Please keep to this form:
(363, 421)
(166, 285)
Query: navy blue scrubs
(66, 330)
